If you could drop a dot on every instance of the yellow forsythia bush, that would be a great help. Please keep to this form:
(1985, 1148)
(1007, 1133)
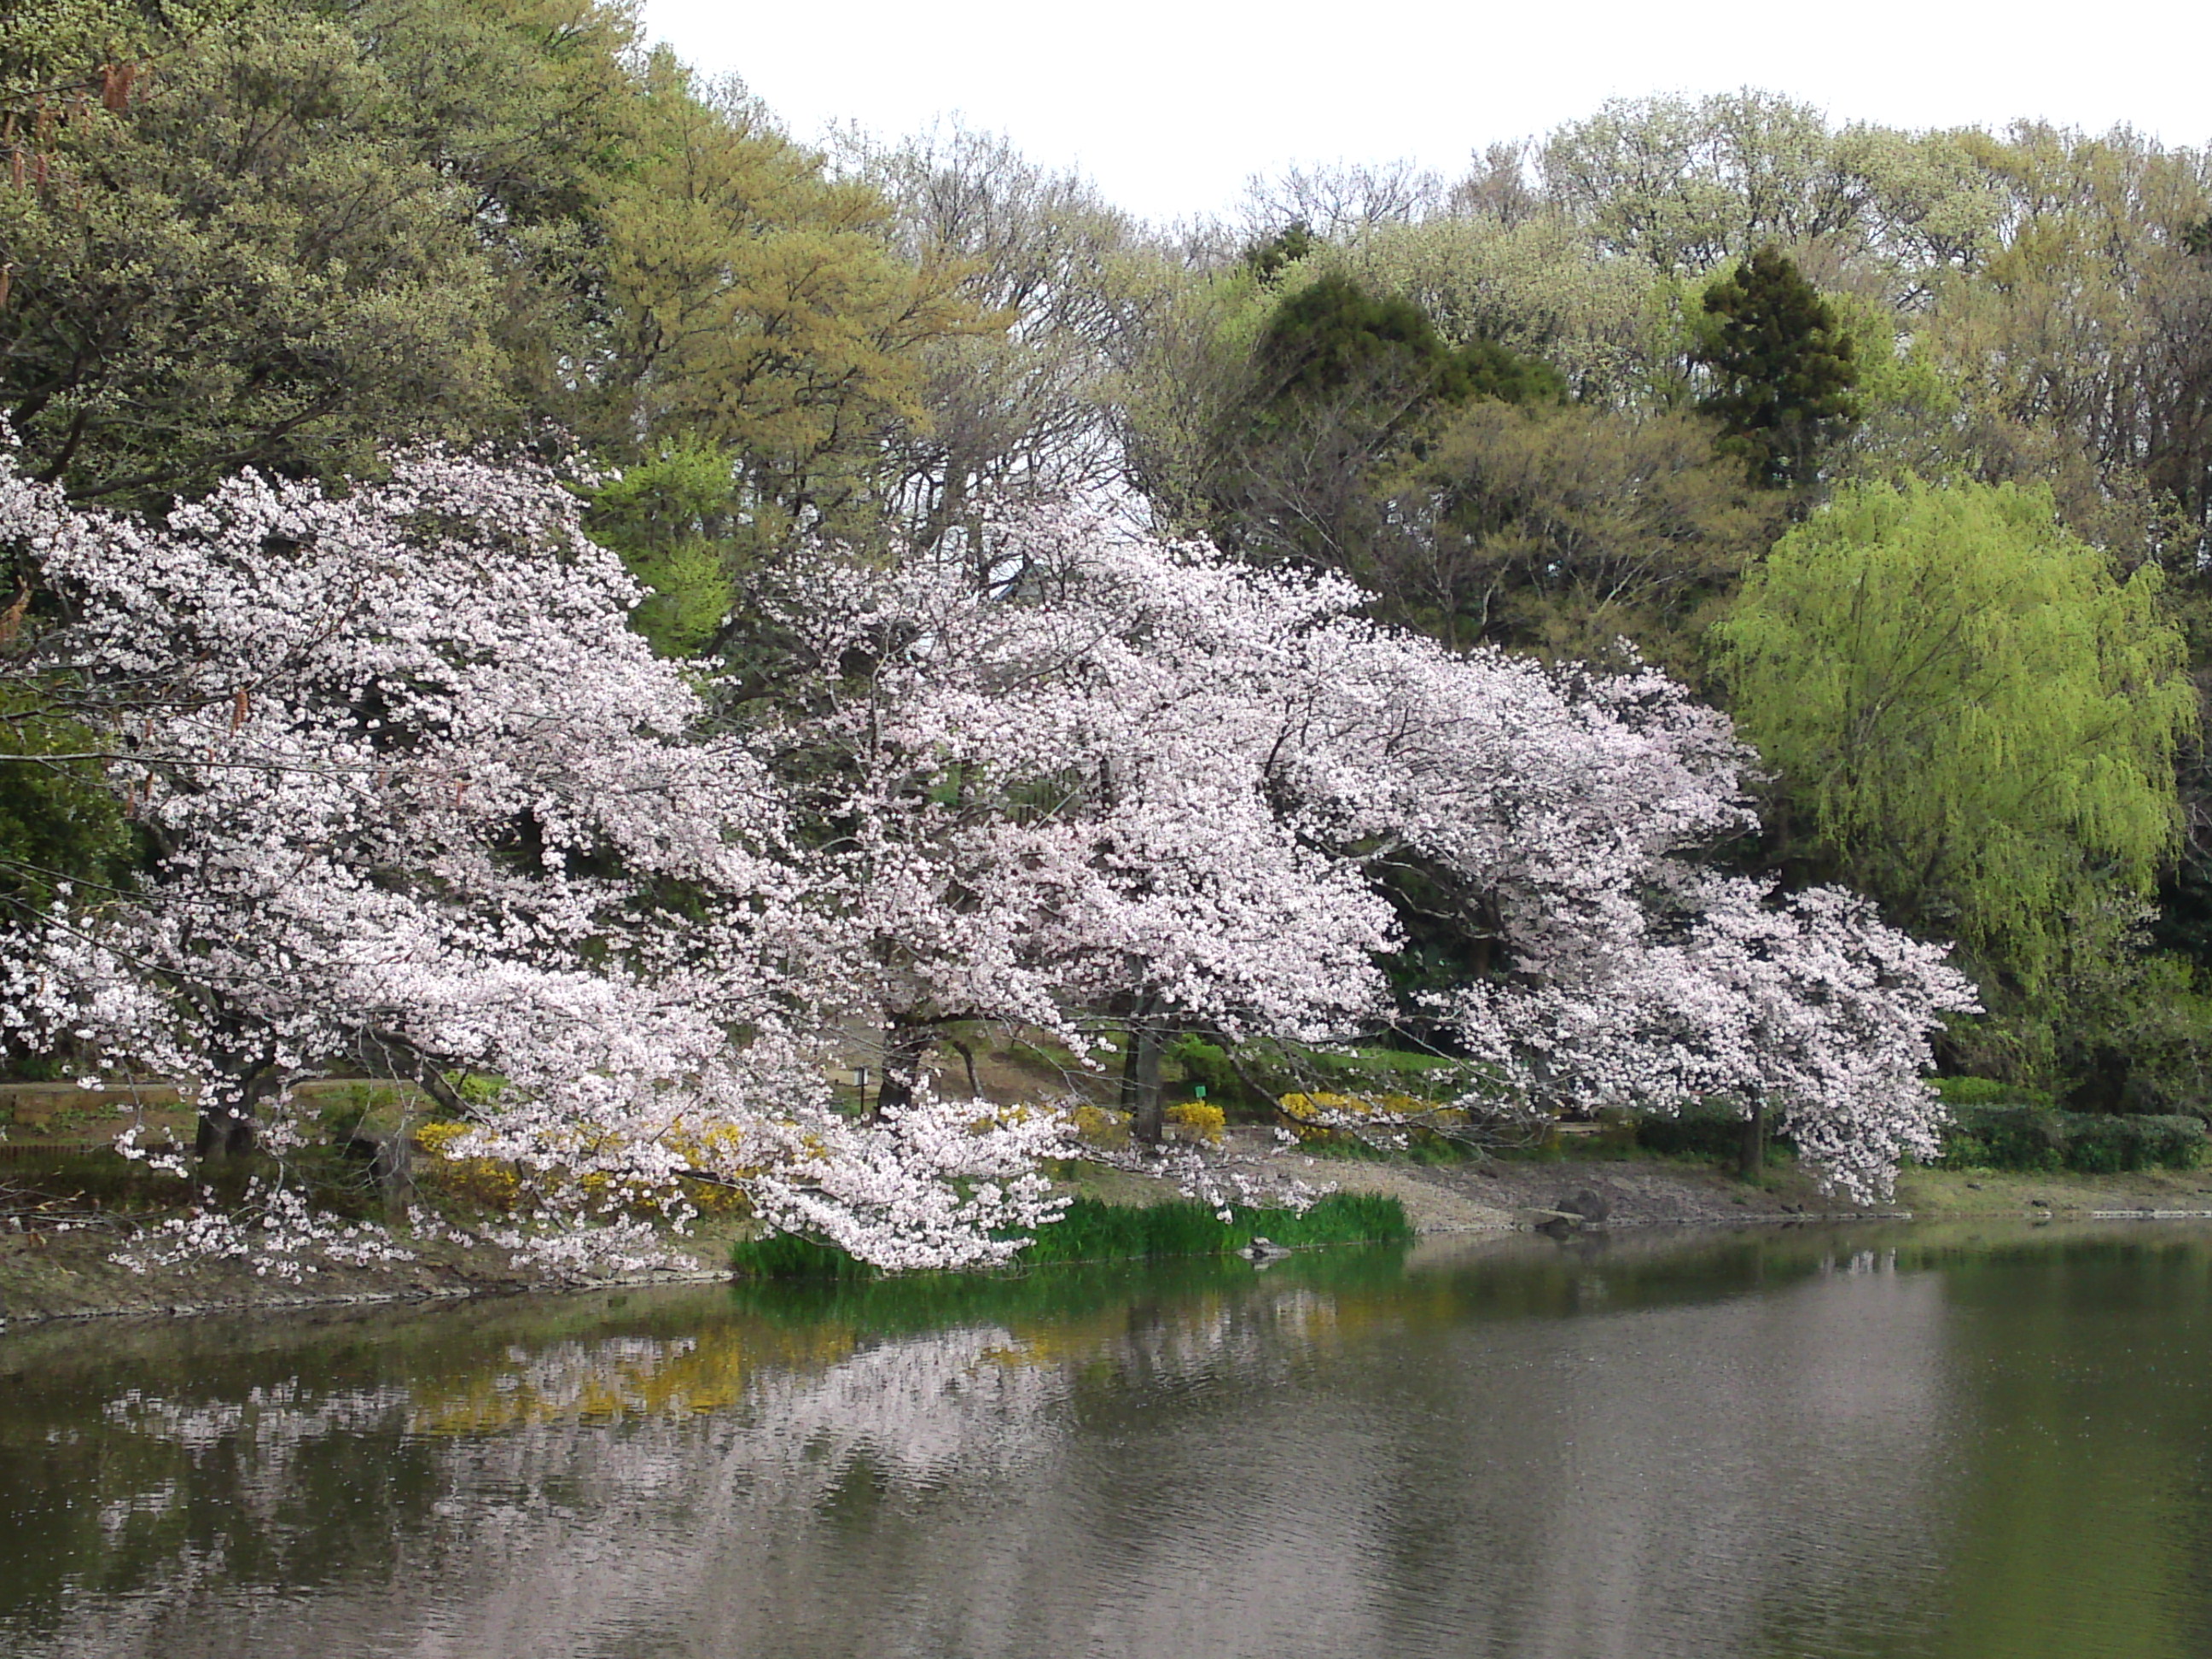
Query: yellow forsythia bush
(1305, 1109)
(1102, 1127)
(1203, 1121)
(485, 1181)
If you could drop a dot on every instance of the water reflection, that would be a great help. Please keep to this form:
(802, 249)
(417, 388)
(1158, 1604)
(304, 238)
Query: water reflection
(1820, 1442)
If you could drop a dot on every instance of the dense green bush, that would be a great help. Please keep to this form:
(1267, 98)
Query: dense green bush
(1956, 1092)
(2037, 1137)
(1207, 1065)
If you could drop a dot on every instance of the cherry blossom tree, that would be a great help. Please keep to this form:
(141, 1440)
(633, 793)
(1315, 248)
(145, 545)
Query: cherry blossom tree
(1130, 779)
(419, 800)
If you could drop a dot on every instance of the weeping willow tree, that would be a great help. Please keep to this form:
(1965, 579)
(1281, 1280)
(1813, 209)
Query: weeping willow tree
(1974, 716)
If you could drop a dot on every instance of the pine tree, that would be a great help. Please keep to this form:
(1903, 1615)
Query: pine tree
(1784, 371)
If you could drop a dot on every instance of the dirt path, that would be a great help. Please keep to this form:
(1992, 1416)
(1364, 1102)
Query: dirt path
(1656, 1193)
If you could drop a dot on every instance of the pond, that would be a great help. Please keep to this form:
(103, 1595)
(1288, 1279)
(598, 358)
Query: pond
(1875, 1440)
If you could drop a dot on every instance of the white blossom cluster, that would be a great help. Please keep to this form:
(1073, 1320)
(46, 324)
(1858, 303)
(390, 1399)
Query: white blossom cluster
(420, 799)
(1133, 774)
(273, 1230)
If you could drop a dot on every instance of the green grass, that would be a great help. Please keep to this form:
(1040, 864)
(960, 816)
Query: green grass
(1092, 1231)
(900, 1302)
(788, 1256)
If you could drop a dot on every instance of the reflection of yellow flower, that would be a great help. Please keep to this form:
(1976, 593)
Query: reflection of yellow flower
(1205, 1122)
(638, 1378)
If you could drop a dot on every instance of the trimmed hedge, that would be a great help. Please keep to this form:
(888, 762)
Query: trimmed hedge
(1983, 1135)
(1988, 1091)
(2039, 1138)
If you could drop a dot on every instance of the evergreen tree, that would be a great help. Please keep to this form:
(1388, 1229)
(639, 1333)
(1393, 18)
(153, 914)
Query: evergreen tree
(1332, 335)
(1269, 260)
(1784, 370)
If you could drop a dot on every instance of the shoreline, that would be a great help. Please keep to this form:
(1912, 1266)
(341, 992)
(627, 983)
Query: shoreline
(66, 1277)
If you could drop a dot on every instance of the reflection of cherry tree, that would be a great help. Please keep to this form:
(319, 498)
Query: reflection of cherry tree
(1251, 1469)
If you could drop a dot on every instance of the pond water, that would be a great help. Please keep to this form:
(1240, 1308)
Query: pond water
(1880, 1441)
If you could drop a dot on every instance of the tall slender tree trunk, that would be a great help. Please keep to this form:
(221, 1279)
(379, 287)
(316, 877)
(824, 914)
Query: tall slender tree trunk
(907, 1048)
(1141, 1082)
(1754, 1138)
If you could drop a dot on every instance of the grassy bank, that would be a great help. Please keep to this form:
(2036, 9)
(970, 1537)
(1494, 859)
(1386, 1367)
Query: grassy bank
(1093, 1232)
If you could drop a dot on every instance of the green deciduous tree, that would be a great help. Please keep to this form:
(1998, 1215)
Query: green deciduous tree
(287, 236)
(1972, 716)
(1566, 528)
(1026, 409)
(1338, 386)
(759, 307)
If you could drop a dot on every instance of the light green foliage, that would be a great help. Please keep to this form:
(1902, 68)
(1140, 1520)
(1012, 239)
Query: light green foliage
(1027, 406)
(677, 521)
(760, 308)
(1539, 287)
(1566, 529)
(1930, 205)
(61, 44)
(1179, 376)
(2087, 314)
(1688, 184)
(1973, 717)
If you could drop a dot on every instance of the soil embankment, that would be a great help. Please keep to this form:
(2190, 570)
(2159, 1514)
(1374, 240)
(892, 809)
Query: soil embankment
(71, 1275)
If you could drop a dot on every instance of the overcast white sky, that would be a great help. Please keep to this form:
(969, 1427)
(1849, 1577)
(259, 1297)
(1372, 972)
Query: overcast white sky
(1170, 104)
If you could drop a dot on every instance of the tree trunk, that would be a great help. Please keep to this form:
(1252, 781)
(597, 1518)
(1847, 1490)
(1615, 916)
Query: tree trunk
(1754, 1138)
(907, 1048)
(227, 1129)
(1140, 1083)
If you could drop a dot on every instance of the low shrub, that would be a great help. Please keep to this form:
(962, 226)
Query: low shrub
(1102, 1126)
(2038, 1137)
(1987, 1091)
(1207, 1065)
(488, 1182)
(1200, 1118)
